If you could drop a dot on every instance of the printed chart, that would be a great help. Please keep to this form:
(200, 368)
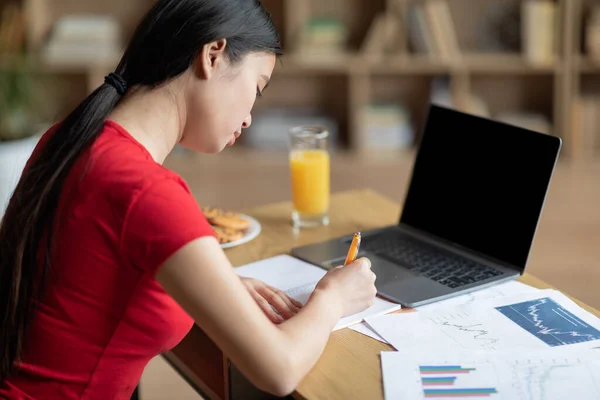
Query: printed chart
(552, 376)
(550, 322)
(456, 381)
(529, 321)
(480, 375)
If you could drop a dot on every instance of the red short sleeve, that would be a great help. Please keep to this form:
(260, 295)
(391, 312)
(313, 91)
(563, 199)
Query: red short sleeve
(162, 218)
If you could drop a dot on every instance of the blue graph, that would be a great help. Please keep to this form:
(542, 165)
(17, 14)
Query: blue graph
(550, 322)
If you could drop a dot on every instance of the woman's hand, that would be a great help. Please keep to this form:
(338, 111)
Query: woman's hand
(353, 284)
(270, 299)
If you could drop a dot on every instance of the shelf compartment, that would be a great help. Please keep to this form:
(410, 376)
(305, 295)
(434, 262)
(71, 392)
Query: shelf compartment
(523, 95)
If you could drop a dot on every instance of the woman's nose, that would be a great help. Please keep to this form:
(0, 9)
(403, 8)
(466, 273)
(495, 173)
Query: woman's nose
(247, 121)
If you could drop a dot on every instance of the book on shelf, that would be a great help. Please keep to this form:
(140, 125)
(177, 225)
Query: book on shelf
(387, 125)
(432, 31)
(440, 21)
(428, 27)
(384, 37)
(420, 35)
(87, 29)
(373, 45)
(323, 37)
(539, 28)
(83, 40)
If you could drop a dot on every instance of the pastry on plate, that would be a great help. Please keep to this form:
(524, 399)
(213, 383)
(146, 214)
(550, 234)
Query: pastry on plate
(226, 219)
(227, 235)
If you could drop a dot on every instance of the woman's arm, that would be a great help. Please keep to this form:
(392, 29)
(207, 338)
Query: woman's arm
(273, 357)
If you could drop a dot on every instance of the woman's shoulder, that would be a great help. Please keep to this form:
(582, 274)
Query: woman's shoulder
(118, 170)
(118, 159)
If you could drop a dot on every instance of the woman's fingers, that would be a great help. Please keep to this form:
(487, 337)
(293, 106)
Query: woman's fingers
(276, 304)
(295, 304)
(266, 307)
(287, 310)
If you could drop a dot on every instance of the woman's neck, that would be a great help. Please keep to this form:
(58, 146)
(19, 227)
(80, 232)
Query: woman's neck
(154, 117)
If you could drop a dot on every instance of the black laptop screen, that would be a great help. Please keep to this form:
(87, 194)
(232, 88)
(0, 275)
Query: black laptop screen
(480, 184)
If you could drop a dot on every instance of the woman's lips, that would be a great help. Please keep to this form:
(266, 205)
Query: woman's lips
(236, 135)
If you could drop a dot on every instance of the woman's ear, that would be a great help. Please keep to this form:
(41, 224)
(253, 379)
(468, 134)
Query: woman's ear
(212, 56)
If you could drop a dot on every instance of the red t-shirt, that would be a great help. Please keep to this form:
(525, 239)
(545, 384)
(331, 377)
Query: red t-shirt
(104, 316)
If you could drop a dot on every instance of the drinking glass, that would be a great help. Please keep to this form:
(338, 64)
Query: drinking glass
(310, 176)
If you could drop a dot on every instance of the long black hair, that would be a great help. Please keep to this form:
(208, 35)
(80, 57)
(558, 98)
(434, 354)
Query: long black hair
(164, 45)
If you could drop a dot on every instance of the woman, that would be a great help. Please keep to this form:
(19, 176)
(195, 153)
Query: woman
(106, 260)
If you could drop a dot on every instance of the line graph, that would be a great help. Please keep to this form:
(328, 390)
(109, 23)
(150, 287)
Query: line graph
(549, 322)
(535, 386)
(477, 331)
(461, 328)
(559, 381)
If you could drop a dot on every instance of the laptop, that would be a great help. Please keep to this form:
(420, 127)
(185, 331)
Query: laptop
(475, 197)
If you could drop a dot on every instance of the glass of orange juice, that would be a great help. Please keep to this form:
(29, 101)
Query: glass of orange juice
(310, 176)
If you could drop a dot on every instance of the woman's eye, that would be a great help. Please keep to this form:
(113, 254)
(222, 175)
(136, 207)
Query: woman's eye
(258, 93)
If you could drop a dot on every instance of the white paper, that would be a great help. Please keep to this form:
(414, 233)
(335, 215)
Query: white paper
(500, 290)
(283, 272)
(298, 279)
(505, 289)
(543, 319)
(525, 375)
(365, 330)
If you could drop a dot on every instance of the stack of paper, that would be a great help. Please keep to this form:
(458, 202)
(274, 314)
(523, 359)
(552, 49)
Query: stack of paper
(535, 320)
(299, 279)
(494, 292)
(532, 345)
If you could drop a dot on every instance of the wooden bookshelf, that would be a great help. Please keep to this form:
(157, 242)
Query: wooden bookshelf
(478, 47)
(507, 80)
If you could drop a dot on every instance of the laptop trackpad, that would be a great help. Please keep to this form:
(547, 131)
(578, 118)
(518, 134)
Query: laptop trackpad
(401, 285)
(388, 272)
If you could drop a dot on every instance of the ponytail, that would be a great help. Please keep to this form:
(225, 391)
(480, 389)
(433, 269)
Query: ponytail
(30, 212)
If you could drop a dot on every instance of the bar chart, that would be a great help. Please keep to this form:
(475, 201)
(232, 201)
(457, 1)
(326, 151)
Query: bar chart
(455, 381)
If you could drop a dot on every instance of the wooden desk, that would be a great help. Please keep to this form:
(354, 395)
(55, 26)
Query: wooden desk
(349, 367)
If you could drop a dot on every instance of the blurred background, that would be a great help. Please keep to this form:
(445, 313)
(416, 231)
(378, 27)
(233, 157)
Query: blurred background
(364, 69)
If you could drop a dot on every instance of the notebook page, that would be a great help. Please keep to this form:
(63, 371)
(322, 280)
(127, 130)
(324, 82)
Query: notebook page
(299, 279)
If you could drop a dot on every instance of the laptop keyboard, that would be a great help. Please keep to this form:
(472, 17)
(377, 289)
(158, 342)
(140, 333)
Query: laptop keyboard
(441, 266)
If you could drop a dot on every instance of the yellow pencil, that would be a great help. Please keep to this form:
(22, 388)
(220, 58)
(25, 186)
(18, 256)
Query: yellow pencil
(353, 250)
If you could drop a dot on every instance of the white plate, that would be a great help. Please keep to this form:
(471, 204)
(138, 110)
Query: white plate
(252, 232)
